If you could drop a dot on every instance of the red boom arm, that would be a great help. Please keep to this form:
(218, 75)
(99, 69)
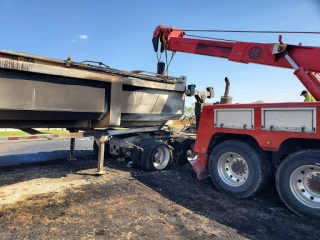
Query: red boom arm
(303, 59)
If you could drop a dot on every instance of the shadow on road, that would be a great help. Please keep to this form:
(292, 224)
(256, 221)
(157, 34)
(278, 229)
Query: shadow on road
(31, 166)
(39, 157)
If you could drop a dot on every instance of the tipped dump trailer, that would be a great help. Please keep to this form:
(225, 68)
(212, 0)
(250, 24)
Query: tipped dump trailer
(92, 99)
(44, 92)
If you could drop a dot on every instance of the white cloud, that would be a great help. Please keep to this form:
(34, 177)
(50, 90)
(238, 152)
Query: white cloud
(74, 41)
(84, 36)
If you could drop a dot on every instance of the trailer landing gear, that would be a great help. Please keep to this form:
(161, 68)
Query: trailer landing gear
(101, 144)
(72, 148)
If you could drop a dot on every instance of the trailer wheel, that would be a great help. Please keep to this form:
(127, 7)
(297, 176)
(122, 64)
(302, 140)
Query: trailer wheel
(183, 150)
(136, 152)
(107, 153)
(298, 183)
(156, 156)
(238, 168)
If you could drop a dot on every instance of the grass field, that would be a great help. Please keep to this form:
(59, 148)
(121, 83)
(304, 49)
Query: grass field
(21, 133)
(175, 125)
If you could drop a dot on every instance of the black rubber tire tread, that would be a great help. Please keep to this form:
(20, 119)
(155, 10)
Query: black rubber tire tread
(270, 171)
(269, 166)
(146, 156)
(257, 164)
(285, 169)
(181, 146)
(107, 153)
(136, 152)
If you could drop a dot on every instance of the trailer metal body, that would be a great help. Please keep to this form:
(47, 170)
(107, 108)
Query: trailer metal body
(39, 92)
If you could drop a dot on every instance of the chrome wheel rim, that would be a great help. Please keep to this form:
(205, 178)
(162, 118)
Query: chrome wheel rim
(161, 157)
(233, 169)
(305, 185)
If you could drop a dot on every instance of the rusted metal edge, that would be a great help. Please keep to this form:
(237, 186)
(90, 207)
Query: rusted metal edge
(11, 62)
(28, 55)
(56, 71)
(179, 86)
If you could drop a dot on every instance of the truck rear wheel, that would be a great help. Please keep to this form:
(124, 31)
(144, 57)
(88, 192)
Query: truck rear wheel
(238, 168)
(136, 152)
(156, 156)
(183, 150)
(298, 183)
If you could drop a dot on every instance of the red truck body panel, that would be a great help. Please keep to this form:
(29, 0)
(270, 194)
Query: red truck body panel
(267, 139)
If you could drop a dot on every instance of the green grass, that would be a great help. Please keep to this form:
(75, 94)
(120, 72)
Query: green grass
(21, 133)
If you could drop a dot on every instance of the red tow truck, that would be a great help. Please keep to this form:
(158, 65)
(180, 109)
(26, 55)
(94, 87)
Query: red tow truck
(242, 146)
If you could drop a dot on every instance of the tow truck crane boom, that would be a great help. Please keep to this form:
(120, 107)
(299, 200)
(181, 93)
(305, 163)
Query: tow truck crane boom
(303, 59)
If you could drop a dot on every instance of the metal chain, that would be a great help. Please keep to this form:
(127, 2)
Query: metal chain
(173, 53)
(166, 56)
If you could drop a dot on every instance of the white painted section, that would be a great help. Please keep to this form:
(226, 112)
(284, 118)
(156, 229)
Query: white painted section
(234, 118)
(289, 119)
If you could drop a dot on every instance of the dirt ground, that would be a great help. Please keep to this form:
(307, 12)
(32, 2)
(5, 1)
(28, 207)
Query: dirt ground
(66, 200)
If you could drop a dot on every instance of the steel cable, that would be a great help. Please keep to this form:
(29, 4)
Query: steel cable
(250, 31)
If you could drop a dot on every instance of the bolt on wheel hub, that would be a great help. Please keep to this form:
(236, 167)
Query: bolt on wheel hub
(305, 185)
(238, 167)
(233, 169)
(313, 183)
(161, 157)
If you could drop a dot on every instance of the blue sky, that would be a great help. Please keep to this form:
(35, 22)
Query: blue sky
(119, 34)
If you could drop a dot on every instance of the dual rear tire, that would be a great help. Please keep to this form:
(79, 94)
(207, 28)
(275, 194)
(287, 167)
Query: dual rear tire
(240, 169)
(155, 156)
(298, 182)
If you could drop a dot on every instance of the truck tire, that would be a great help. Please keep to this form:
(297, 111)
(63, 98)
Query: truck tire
(298, 183)
(183, 150)
(136, 152)
(156, 156)
(238, 168)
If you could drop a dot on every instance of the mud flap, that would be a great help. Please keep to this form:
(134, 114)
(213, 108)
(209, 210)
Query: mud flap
(200, 170)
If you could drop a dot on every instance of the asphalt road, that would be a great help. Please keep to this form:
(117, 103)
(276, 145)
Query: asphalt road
(28, 152)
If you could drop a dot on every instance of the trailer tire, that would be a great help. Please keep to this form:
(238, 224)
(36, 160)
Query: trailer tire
(298, 183)
(159, 152)
(136, 152)
(107, 153)
(182, 148)
(238, 168)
